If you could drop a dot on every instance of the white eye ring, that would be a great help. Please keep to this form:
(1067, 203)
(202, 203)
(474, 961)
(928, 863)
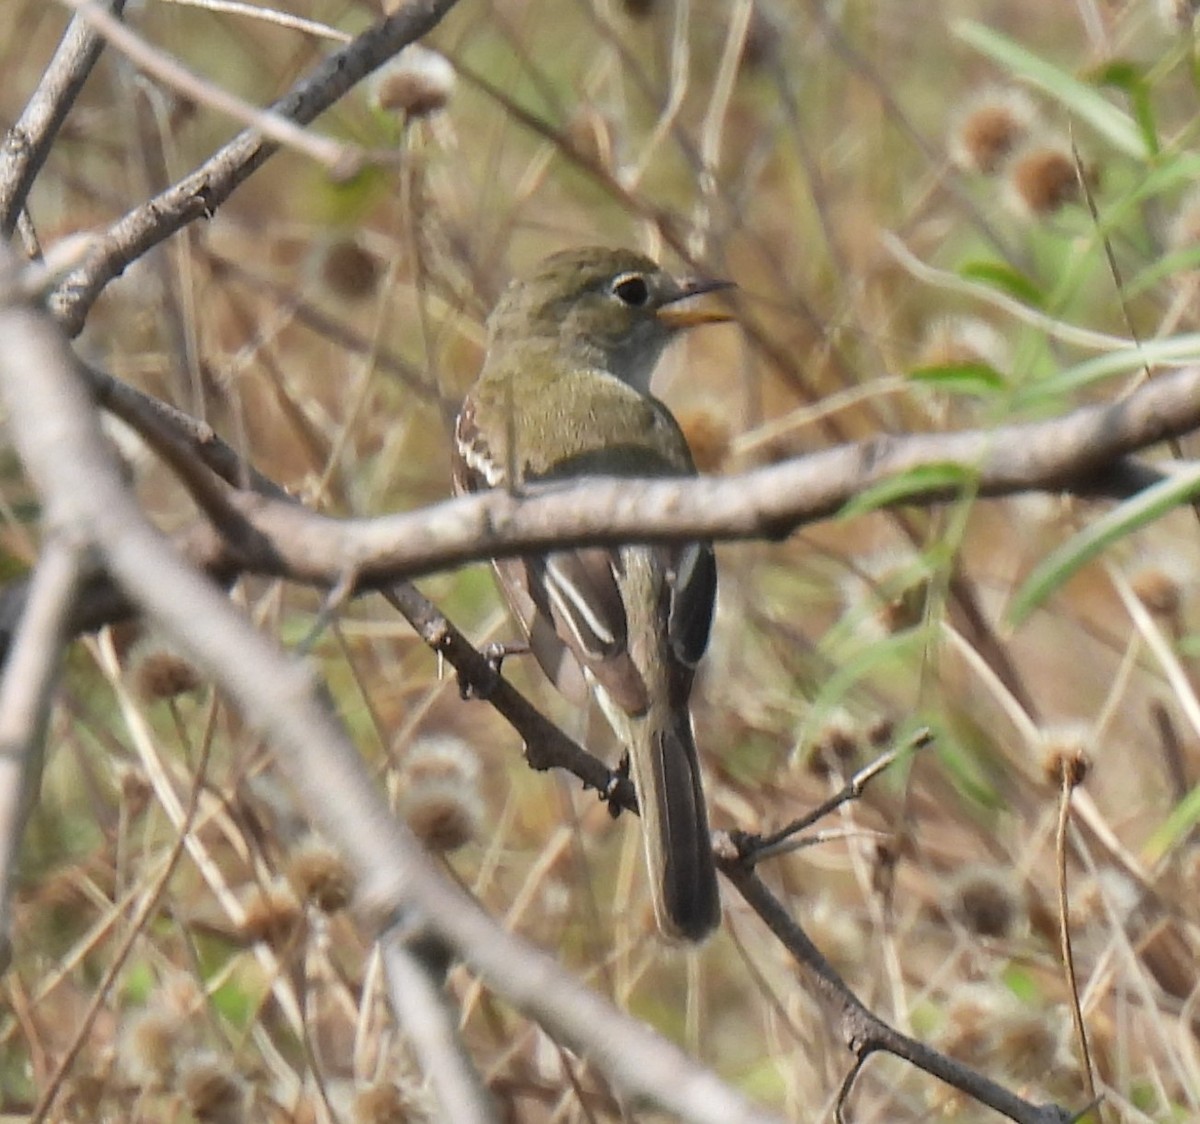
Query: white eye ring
(631, 289)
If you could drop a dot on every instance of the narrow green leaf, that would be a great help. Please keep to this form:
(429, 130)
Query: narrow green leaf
(978, 379)
(1168, 265)
(1175, 828)
(1128, 77)
(1170, 351)
(1080, 549)
(999, 275)
(948, 477)
(1083, 100)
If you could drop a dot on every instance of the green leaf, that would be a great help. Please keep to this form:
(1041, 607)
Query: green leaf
(999, 275)
(1177, 826)
(1078, 551)
(887, 657)
(978, 379)
(1171, 351)
(1127, 76)
(947, 477)
(1116, 126)
(1023, 983)
(1164, 266)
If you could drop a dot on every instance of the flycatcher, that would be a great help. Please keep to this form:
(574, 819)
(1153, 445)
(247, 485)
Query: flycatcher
(564, 393)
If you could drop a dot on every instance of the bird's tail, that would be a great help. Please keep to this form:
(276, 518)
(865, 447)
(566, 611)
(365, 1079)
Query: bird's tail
(666, 774)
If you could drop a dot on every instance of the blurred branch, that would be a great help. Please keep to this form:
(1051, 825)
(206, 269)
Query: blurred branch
(57, 434)
(28, 142)
(25, 694)
(206, 188)
(188, 445)
(414, 976)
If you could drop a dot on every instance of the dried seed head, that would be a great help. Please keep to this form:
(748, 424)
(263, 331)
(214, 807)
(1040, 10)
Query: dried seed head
(320, 875)
(213, 1091)
(159, 672)
(989, 128)
(835, 746)
(350, 271)
(417, 82)
(440, 796)
(953, 341)
(150, 1042)
(1064, 754)
(443, 816)
(1158, 589)
(966, 1033)
(1027, 1041)
(273, 915)
(985, 900)
(888, 593)
(382, 1103)
(1042, 179)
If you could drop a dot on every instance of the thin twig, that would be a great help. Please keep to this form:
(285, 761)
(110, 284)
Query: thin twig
(1071, 773)
(862, 1032)
(753, 849)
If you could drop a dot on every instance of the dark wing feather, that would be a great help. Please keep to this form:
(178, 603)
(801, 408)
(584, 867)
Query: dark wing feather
(693, 585)
(691, 596)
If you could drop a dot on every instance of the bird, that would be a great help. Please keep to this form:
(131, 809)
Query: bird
(563, 393)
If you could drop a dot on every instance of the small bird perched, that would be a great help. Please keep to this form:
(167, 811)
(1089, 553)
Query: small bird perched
(563, 393)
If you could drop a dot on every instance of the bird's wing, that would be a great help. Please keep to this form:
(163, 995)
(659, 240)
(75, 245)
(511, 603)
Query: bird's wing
(568, 603)
(577, 592)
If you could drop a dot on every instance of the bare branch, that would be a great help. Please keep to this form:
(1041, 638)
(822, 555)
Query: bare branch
(421, 1006)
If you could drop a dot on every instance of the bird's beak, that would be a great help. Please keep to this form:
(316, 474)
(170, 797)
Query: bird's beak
(682, 311)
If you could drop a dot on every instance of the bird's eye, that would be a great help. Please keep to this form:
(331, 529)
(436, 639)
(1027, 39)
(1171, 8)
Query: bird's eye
(631, 288)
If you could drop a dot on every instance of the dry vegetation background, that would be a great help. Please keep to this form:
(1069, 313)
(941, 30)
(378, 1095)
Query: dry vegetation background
(327, 326)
